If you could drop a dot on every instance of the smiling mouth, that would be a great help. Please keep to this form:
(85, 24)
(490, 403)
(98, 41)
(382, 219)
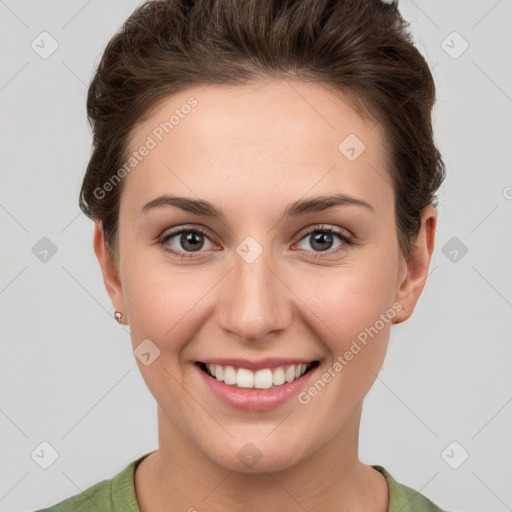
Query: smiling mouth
(265, 378)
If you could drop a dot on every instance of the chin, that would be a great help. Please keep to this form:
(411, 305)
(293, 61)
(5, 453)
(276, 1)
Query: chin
(257, 457)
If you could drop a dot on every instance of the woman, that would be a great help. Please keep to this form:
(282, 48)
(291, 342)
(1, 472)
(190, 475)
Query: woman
(232, 139)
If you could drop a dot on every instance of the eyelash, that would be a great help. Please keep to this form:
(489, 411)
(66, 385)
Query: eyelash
(347, 240)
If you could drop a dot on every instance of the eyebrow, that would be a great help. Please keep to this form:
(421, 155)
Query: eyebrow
(296, 209)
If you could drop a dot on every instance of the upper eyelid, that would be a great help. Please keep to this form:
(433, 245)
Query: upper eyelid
(325, 227)
(176, 231)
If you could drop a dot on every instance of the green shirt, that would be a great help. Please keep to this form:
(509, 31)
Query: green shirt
(118, 495)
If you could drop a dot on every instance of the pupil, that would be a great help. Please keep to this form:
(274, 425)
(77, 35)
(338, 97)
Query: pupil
(322, 238)
(193, 240)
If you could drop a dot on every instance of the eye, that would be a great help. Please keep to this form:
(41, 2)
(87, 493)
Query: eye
(322, 239)
(188, 241)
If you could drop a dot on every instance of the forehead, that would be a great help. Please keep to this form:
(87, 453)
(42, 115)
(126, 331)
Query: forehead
(259, 141)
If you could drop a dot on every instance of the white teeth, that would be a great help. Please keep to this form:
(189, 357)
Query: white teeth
(229, 375)
(244, 378)
(290, 374)
(261, 379)
(278, 377)
(219, 372)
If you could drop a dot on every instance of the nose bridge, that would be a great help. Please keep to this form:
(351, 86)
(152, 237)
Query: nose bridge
(254, 301)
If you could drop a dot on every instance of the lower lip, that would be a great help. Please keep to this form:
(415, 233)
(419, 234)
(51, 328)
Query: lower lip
(255, 399)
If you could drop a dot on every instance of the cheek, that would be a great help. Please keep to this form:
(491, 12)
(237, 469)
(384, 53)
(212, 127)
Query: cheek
(351, 310)
(352, 318)
(350, 297)
(162, 301)
(162, 306)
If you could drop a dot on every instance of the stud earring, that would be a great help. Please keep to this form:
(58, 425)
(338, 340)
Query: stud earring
(117, 316)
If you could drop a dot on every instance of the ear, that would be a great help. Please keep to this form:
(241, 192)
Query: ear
(109, 269)
(415, 269)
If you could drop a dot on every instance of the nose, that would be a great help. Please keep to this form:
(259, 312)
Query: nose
(255, 301)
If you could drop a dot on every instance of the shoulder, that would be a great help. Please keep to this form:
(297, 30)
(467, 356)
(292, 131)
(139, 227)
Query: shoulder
(98, 496)
(111, 495)
(404, 499)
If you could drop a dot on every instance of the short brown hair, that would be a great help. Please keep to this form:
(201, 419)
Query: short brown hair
(361, 48)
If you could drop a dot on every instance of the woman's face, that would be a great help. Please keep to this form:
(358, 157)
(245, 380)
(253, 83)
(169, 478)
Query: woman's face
(258, 288)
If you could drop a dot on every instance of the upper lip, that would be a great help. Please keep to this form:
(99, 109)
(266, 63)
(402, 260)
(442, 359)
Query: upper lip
(270, 362)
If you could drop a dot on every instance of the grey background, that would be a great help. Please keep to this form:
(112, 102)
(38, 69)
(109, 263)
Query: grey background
(68, 375)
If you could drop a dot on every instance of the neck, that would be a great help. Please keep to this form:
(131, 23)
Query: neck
(178, 476)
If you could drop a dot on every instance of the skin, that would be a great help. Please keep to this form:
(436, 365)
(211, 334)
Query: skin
(252, 150)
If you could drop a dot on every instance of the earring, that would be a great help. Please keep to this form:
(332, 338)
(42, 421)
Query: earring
(117, 316)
